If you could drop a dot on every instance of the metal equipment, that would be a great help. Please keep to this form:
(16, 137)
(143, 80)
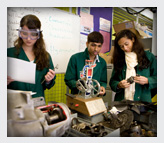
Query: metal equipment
(87, 86)
(87, 102)
(25, 119)
(83, 128)
(134, 118)
(93, 130)
(131, 79)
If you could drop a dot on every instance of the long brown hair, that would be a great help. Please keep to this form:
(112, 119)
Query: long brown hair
(138, 48)
(39, 49)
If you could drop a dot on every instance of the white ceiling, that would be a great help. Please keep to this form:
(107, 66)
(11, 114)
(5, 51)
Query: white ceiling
(146, 12)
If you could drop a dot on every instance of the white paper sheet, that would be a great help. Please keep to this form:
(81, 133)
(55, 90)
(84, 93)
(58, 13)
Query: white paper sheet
(21, 70)
(83, 40)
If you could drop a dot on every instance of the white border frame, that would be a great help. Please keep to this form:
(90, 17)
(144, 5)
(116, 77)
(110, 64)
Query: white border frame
(75, 3)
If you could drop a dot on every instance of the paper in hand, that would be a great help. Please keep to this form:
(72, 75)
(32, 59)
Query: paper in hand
(21, 70)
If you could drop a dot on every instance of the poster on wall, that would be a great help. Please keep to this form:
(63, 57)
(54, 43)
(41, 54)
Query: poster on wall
(104, 29)
(106, 44)
(85, 9)
(104, 24)
(86, 22)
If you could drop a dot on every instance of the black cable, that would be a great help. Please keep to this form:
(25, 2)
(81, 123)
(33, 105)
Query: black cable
(153, 9)
(127, 9)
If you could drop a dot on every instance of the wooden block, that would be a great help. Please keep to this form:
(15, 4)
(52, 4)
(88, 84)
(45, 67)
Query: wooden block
(90, 107)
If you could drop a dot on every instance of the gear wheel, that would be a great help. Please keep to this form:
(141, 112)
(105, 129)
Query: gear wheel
(123, 121)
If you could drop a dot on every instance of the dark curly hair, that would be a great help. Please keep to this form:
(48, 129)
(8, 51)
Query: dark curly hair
(41, 55)
(138, 48)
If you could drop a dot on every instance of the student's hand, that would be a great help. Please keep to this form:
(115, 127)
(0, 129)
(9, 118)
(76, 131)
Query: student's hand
(9, 80)
(123, 84)
(78, 86)
(102, 91)
(141, 80)
(50, 75)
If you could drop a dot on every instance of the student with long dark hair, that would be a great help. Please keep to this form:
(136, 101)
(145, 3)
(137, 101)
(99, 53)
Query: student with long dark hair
(30, 47)
(131, 61)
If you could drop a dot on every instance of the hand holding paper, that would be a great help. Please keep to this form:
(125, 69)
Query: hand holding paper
(20, 70)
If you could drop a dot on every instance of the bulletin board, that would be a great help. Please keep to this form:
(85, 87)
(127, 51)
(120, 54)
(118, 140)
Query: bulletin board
(61, 31)
(98, 14)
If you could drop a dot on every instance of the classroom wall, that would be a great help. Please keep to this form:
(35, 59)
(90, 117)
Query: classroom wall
(57, 93)
(101, 12)
(104, 12)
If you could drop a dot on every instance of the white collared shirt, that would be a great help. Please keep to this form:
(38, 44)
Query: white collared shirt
(96, 59)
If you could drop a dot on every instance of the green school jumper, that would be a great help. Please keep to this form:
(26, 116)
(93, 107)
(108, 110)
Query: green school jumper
(142, 92)
(76, 64)
(39, 77)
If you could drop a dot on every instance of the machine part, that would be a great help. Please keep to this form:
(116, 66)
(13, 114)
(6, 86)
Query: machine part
(81, 85)
(153, 122)
(25, 120)
(87, 86)
(53, 113)
(143, 112)
(79, 126)
(135, 130)
(93, 130)
(98, 130)
(74, 121)
(130, 79)
(123, 120)
(88, 89)
(96, 88)
(60, 119)
(107, 116)
(38, 101)
(132, 105)
(75, 124)
(55, 116)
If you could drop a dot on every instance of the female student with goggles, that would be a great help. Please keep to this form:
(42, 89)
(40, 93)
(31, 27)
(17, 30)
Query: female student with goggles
(30, 47)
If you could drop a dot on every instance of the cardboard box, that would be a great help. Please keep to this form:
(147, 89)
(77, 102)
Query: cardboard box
(131, 26)
(107, 58)
(111, 51)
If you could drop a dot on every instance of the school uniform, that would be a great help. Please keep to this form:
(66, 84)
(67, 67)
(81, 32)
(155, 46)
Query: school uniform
(76, 64)
(142, 92)
(39, 76)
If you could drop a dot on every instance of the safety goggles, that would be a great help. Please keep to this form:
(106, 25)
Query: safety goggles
(34, 34)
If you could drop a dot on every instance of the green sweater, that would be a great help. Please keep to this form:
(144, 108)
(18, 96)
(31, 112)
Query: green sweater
(39, 77)
(142, 92)
(76, 64)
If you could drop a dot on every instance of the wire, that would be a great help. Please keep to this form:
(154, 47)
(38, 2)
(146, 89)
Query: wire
(127, 9)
